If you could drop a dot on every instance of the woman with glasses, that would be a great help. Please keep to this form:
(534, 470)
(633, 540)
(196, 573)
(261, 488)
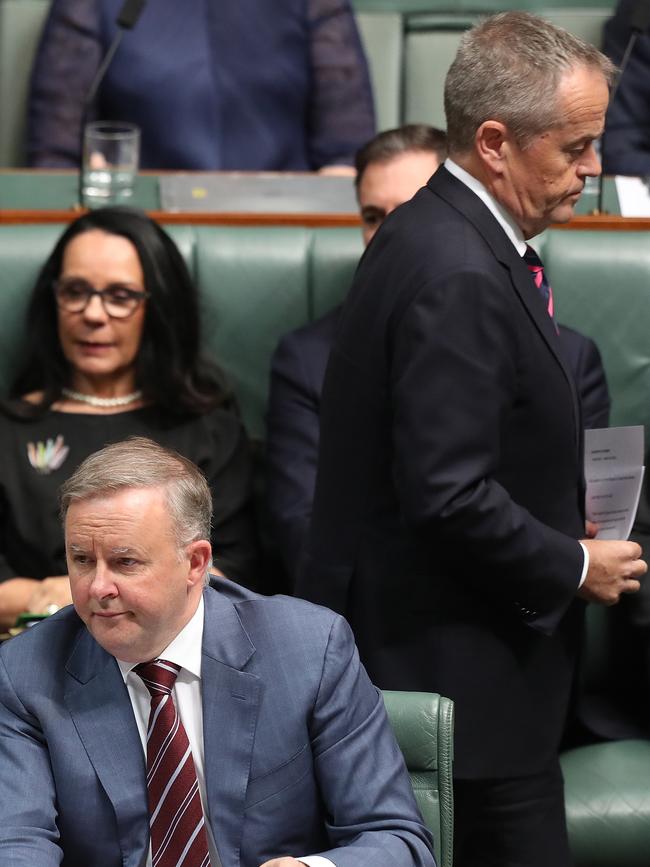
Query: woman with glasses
(112, 350)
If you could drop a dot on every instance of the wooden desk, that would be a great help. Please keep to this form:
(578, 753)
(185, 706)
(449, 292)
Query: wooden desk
(41, 196)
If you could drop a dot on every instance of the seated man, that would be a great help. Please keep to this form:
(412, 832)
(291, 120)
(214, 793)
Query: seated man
(274, 742)
(390, 170)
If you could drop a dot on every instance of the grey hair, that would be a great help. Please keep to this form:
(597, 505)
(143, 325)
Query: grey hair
(508, 68)
(139, 462)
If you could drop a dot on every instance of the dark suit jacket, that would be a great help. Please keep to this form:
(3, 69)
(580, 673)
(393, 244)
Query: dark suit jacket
(293, 422)
(626, 143)
(235, 84)
(449, 495)
(299, 756)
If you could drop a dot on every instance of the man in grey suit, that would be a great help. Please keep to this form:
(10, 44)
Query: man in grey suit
(164, 721)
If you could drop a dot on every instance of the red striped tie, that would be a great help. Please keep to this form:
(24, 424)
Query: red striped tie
(537, 270)
(178, 835)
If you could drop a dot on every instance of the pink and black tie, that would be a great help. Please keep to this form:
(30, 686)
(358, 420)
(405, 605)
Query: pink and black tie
(537, 270)
(178, 835)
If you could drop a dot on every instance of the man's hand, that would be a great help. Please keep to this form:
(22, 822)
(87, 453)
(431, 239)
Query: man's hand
(50, 592)
(614, 568)
(287, 861)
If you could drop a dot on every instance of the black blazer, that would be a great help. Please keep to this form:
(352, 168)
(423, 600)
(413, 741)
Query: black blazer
(449, 495)
(298, 370)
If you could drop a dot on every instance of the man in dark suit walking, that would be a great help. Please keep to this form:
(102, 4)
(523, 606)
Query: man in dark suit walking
(391, 168)
(449, 499)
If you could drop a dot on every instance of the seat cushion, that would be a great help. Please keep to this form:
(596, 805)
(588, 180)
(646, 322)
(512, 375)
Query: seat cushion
(607, 795)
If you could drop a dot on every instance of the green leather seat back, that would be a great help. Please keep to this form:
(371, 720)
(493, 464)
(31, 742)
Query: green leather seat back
(335, 254)
(258, 283)
(381, 35)
(601, 286)
(608, 803)
(424, 728)
(21, 22)
(432, 38)
(253, 285)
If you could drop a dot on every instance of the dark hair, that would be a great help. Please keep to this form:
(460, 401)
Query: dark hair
(393, 142)
(170, 369)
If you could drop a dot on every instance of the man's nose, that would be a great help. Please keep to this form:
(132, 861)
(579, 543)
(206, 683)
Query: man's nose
(590, 165)
(102, 585)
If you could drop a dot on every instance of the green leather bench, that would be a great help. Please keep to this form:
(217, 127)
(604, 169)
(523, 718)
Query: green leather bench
(257, 283)
(409, 45)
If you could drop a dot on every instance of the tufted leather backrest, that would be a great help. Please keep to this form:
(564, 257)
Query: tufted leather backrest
(424, 727)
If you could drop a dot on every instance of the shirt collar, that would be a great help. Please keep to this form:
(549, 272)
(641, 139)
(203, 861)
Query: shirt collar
(503, 217)
(184, 650)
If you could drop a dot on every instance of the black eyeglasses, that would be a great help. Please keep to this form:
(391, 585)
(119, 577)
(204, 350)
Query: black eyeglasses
(73, 295)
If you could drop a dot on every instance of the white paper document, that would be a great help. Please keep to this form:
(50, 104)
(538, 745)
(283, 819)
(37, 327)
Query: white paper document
(633, 196)
(614, 473)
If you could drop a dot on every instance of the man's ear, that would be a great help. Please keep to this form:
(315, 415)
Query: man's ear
(199, 554)
(492, 144)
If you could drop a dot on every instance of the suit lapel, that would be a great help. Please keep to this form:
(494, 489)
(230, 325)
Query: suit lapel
(230, 706)
(455, 193)
(99, 705)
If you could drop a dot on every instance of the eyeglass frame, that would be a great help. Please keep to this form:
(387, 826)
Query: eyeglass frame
(138, 295)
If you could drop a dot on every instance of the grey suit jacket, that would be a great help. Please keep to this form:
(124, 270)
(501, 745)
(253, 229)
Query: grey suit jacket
(299, 758)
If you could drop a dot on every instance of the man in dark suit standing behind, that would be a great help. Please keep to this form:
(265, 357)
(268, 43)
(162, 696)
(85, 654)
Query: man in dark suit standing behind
(449, 499)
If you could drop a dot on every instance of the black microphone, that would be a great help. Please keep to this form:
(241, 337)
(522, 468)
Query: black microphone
(126, 20)
(639, 21)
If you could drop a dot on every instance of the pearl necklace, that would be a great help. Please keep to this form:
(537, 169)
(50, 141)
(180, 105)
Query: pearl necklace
(103, 402)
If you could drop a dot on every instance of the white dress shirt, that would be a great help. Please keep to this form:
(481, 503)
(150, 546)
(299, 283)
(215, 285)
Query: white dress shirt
(185, 651)
(516, 236)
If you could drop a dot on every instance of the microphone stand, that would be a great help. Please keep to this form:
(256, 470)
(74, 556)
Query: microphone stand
(126, 20)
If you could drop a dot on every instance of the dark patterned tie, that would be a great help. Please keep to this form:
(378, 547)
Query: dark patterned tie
(176, 818)
(537, 270)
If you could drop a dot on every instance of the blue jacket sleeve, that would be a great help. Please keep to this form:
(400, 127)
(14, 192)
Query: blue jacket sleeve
(372, 814)
(341, 108)
(28, 830)
(67, 58)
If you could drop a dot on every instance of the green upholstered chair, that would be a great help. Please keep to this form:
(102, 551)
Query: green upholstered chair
(601, 285)
(607, 799)
(381, 35)
(258, 283)
(423, 723)
(431, 39)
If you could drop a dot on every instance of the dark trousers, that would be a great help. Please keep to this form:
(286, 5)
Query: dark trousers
(516, 822)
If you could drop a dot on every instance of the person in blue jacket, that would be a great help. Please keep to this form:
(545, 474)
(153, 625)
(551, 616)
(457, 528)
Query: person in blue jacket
(626, 143)
(232, 85)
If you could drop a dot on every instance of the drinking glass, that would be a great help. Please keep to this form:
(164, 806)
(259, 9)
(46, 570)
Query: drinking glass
(111, 154)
